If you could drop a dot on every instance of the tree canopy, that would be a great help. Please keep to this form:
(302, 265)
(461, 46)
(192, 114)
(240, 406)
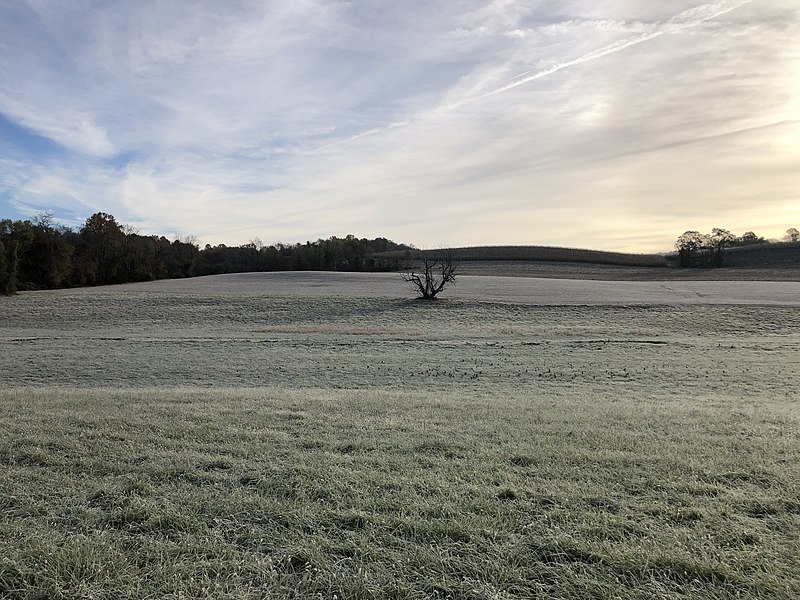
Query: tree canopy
(40, 254)
(697, 249)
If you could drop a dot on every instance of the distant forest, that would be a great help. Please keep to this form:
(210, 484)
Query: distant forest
(709, 250)
(42, 254)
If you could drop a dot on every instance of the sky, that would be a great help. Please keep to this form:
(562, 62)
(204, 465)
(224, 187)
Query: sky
(607, 124)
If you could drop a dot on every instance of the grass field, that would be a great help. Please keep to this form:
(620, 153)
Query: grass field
(287, 437)
(546, 253)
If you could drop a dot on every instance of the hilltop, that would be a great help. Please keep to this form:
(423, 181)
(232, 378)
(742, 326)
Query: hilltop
(771, 261)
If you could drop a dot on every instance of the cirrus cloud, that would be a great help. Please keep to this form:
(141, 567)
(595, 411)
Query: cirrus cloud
(602, 124)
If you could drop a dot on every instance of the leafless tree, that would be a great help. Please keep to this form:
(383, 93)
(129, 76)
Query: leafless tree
(431, 272)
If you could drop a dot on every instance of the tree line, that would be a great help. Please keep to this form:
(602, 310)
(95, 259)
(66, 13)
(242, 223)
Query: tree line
(706, 250)
(42, 254)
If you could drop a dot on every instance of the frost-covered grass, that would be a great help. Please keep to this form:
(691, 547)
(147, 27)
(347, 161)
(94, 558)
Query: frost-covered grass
(169, 443)
(375, 494)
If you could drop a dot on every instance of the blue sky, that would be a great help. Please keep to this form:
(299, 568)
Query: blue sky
(591, 123)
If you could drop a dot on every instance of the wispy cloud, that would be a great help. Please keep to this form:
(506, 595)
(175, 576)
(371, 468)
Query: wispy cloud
(510, 121)
(684, 20)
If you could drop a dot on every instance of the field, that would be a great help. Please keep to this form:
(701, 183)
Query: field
(546, 253)
(608, 272)
(779, 261)
(323, 436)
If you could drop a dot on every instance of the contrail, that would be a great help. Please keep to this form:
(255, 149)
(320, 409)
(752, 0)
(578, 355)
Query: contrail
(684, 20)
(366, 133)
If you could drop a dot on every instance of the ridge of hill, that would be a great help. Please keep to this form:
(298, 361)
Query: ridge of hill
(771, 261)
(545, 254)
(769, 254)
(766, 255)
(559, 254)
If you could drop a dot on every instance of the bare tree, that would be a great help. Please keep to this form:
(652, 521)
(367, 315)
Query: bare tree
(431, 272)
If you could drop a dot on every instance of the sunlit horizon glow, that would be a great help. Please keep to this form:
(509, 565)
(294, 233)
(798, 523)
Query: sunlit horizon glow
(592, 124)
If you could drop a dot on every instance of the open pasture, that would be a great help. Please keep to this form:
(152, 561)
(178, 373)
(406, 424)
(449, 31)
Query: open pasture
(321, 435)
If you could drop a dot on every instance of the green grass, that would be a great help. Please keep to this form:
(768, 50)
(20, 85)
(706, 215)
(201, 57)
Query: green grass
(237, 493)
